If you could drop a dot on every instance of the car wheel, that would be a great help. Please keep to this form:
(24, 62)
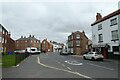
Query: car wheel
(84, 57)
(93, 58)
(101, 59)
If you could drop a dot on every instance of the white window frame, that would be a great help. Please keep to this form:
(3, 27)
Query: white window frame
(99, 26)
(100, 37)
(113, 22)
(115, 35)
(77, 36)
(77, 42)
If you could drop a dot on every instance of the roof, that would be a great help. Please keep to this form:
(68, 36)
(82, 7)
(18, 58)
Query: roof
(78, 32)
(107, 17)
(28, 38)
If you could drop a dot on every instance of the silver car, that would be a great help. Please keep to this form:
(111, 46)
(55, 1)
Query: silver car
(93, 56)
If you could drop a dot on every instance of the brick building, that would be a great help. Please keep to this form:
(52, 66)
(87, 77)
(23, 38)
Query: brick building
(78, 43)
(25, 42)
(46, 46)
(6, 42)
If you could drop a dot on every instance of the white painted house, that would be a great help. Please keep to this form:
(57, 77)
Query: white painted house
(106, 32)
(57, 47)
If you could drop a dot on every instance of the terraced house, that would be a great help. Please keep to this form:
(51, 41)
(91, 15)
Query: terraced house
(106, 34)
(46, 46)
(24, 42)
(6, 42)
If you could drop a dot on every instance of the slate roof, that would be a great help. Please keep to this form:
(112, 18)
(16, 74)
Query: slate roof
(107, 17)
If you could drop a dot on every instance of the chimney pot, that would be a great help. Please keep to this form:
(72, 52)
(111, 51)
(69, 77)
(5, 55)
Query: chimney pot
(21, 36)
(98, 16)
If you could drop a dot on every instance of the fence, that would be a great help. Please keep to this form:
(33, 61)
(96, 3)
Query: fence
(20, 57)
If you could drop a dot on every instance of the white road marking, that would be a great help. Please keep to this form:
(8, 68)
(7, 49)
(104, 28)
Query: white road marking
(63, 65)
(73, 62)
(16, 65)
(76, 73)
(100, 66)
(69, 68)
(59, 62)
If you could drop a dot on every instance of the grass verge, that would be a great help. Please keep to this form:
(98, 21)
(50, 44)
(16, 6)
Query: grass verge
(8, 61)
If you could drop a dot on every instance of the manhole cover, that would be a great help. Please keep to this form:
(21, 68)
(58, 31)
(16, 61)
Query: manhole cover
(73, 62)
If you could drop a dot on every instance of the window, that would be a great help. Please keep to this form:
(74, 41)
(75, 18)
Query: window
(3, 32)
(71, 36)
(44, 42)
(0, 39)
(0, 29)
(114, 35)
(77, 36)
(3, 40)
(100, 37)
(113, 22)
(70, 44)
(37, 41)
(77, 42)
(99, 26)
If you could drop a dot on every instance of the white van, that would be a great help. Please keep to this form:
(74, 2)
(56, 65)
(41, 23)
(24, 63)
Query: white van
(32, 50)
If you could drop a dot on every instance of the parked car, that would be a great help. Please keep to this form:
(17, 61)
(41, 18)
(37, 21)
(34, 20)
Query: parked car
(93, 56)
(64, 52)
(19, 51)
(32, 50)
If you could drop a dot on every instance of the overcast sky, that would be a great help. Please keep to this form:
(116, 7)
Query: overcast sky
(54, 20)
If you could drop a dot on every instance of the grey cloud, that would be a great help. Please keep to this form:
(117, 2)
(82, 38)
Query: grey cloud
(51, 20)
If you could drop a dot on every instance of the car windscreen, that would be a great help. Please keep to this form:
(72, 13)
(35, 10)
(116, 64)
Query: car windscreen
(64, 50)
(32, 49)
(98, 53)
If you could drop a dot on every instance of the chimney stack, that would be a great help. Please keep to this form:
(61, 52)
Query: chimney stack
(83, 32)
(98, 16)
(29, 35)
(21, 36)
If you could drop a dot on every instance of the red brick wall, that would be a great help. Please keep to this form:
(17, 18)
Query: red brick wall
(83, 42)
(10, 44)
(46, 46)
(22, 44)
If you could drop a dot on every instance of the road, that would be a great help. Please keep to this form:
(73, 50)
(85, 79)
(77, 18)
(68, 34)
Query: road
(53, 65)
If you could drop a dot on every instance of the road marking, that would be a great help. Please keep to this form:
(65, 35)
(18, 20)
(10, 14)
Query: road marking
(100, 66)
(16, 65)
(59, 62)
(69, 68)
(73, 62)
(76, 73)
(63, 65)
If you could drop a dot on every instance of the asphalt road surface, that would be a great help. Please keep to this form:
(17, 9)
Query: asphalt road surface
(53, 65)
